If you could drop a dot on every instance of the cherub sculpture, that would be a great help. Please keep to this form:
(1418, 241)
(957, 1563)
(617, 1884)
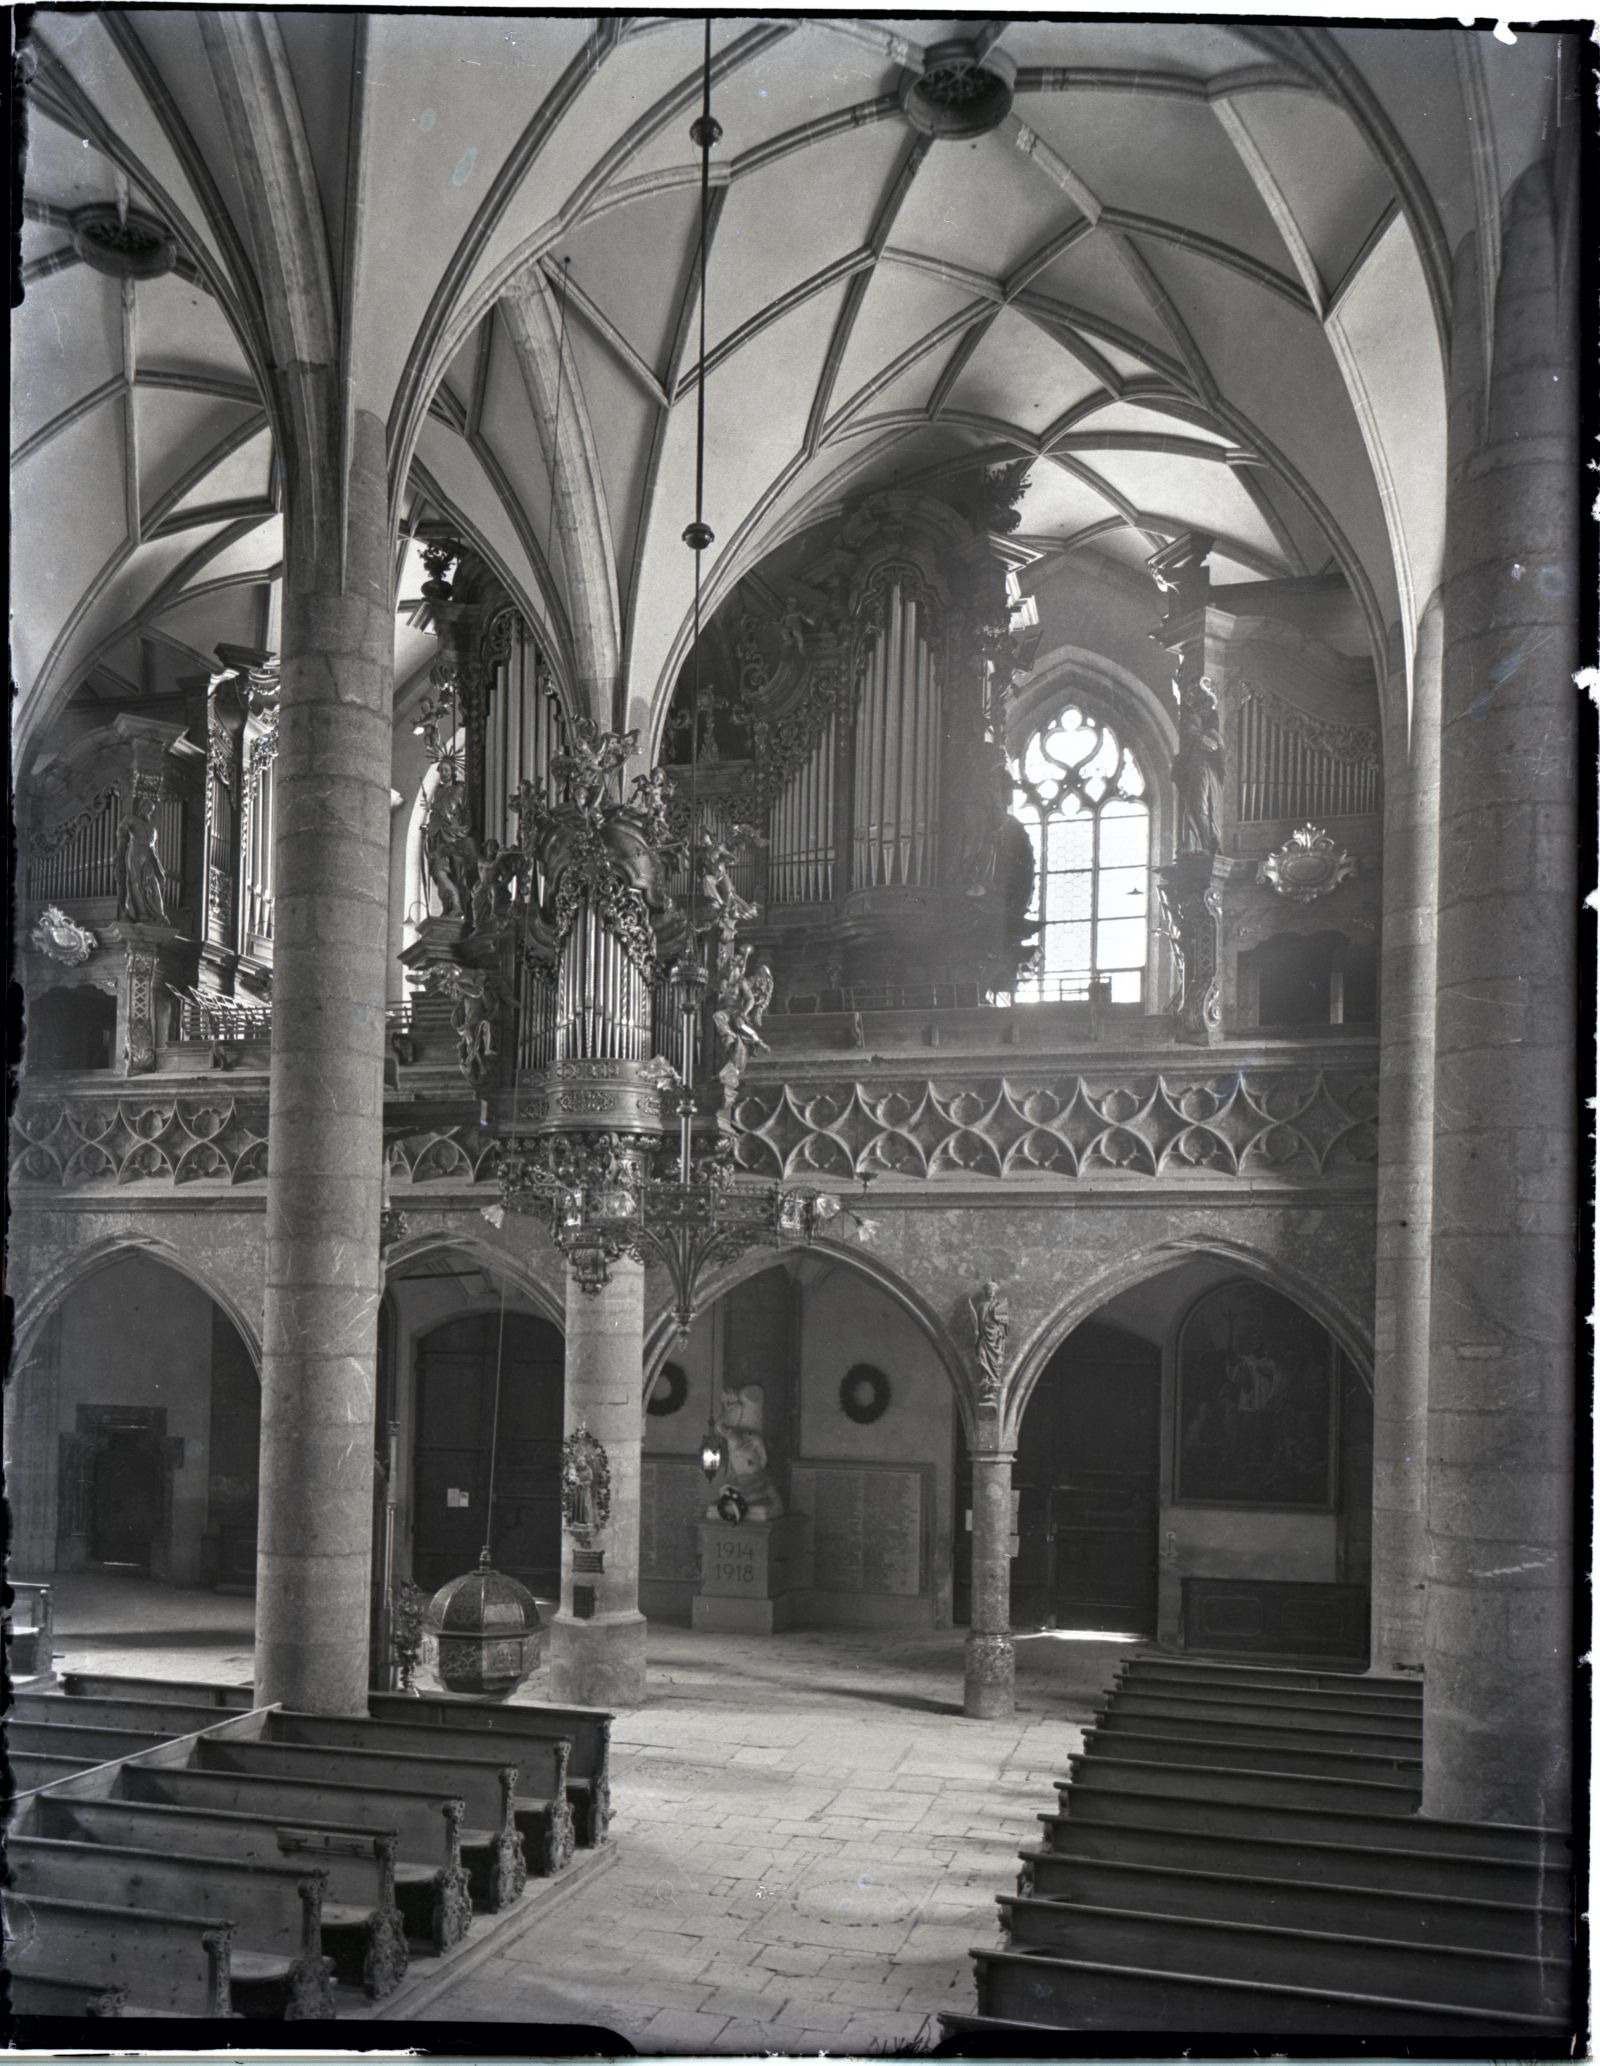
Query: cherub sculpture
(793, 626)
(742, 1001)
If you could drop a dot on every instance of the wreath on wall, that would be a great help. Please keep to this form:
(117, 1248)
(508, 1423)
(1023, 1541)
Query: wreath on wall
(669, 1391)
(863, 1394)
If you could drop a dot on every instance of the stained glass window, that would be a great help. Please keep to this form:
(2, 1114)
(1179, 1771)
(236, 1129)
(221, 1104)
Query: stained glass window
(1081, 795)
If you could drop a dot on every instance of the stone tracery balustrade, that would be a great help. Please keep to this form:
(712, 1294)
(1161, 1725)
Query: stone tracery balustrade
(72, 1141)
(1280, 1122)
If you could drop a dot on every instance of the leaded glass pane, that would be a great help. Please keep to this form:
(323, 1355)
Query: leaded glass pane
(1080, 794)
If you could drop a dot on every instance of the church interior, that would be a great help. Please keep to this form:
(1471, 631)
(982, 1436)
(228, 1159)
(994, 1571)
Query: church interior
(796, 826)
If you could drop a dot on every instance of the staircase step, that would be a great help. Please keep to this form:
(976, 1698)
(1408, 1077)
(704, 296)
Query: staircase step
(1086, 1995)
(1350, 1908)
(1344, 1819)
(1381, 1864)
(1256, 1711)
(1247, 1757)
(1333, 1684)
(1117, 1720)
(1235, 1788)
(1499, 1981)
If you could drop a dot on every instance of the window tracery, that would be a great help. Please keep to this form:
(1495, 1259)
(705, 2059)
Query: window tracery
(1082, 798)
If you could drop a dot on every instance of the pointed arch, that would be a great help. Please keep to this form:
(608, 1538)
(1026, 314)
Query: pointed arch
(661, 1335)
(1137, 1266)
(50, 1291)
(494, 1261)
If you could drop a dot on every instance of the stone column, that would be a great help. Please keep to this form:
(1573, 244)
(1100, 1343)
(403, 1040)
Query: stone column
(1405, 1160)
(597, 1640)
(991, 1666)
(1501, 1431)
(325, 1140)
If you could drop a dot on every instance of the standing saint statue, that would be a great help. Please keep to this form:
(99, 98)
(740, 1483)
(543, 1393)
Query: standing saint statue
(1197, 770)
(991, 1323)
(141, 892)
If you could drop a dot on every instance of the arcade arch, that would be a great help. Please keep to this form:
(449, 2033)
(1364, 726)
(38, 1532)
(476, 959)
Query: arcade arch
(1156, 1498)
(133, 1426)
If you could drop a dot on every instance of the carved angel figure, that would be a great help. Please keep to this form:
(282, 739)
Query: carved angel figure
(141, 893)
(589, 763)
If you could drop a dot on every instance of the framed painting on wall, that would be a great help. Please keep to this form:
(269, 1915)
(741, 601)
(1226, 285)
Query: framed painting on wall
(1255, 1402)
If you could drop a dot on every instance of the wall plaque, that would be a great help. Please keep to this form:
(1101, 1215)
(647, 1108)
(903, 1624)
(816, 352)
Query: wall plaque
(672, 1499)
(866, 1527)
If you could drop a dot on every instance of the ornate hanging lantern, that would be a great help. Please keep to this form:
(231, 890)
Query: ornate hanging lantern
(488, 1631)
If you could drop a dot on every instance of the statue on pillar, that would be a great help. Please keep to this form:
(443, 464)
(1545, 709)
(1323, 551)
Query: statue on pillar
(991, 1324)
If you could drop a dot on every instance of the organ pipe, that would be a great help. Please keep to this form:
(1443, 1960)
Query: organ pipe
(897, 754)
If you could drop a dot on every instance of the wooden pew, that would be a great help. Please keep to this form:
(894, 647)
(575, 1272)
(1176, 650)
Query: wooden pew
(1493, 1981)
(190, 1692)
(168, 1964)
(275, 1911)
(543, 1815)
(1391, 1865)
(87, 1745)
(1299, 1901)
(29, 1770)
(491, 1844)
(1096, 1771)
(53, 1996)
(1151, 1719)
(102, 1711)
(362, 1928)
(1031, 1987)
(588, 1729)
(432, 1890)
(1236, 1755)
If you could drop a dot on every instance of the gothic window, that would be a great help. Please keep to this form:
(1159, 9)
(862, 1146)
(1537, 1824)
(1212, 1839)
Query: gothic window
(1081, 795)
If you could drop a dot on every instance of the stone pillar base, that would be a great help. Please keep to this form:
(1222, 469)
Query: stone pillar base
(990, 1692)
(745, 1575)
(599, 1662)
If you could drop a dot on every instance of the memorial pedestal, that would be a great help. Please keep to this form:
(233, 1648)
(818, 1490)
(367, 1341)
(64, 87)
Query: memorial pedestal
(746, 1571)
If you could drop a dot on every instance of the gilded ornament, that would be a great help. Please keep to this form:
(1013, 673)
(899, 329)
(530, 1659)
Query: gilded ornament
(1308, 865)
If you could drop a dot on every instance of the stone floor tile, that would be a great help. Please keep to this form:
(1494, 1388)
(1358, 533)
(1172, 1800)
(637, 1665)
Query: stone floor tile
(749, 2002)
(877, 2030)
(799, 1959)
(752, 2040)
(680, 2030)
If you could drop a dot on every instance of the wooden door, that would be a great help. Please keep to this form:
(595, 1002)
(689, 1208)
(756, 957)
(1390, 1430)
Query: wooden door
(1087, 1465)
(126, 1512)
(455, 1433)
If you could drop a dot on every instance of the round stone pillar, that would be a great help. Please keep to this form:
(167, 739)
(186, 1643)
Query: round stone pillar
(1501, 1432)
(325, 1132)
(990, 1691)
(597, 1639)
(1405, 1159)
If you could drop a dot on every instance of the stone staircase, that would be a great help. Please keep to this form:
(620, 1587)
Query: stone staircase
(1239, 1849)
(175, 1851)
